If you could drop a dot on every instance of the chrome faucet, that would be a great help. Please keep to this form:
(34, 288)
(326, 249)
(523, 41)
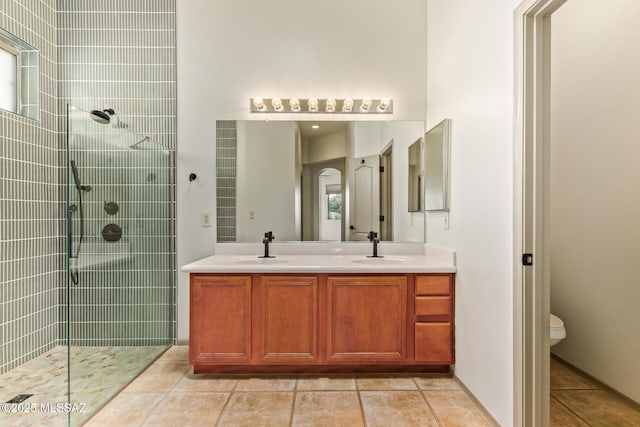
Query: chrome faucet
(373, 238)
(268, 238)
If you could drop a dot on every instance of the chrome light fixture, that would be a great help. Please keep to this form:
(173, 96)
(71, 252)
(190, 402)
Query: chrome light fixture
(325, 105)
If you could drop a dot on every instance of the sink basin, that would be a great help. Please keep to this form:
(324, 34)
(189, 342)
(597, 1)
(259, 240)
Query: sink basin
(380, 261)
(265, 261)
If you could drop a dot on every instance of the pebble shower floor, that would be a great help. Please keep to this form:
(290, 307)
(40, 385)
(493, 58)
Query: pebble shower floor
(97, 374)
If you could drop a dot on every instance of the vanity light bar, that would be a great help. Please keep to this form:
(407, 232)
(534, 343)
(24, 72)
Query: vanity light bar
(315, 105)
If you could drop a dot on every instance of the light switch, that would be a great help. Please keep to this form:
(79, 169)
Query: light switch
(252, 215)
(206, 219)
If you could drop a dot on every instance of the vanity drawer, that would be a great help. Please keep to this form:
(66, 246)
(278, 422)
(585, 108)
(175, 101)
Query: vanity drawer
(433, 309)
(433, 285)
(433, 343)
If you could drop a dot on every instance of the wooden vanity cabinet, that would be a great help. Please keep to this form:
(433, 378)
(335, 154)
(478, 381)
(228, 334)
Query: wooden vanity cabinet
(319, 322)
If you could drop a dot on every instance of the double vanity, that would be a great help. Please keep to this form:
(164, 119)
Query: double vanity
(322, 307)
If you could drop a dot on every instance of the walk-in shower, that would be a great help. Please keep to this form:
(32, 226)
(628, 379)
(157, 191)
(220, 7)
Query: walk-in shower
(119, 299)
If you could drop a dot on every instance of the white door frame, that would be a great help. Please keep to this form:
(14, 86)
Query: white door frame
(531, 211)
(386, 192)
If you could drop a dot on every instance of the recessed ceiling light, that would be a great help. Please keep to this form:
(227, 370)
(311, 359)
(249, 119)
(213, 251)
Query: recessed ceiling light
(315, 126)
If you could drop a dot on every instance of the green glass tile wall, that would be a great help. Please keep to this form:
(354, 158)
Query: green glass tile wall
(121, 55)
(30, 194)
(95, 54)
(226, 160)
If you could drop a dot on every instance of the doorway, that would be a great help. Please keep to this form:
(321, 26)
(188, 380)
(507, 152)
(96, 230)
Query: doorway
(574, 183)
(330, 204)
(386, 192)
(319, 181)
(531, 212)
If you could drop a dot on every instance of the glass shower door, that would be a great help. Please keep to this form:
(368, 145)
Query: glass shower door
(119, 302)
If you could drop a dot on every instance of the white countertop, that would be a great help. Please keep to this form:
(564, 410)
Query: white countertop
(333, 258)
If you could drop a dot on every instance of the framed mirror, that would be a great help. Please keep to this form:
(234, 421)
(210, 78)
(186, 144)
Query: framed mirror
(415, 183)
(436, 155)
(315, 180)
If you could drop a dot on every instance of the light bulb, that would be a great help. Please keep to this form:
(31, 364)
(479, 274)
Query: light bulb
(294, 103)
(259, 103)
(384, 104)
(366, 104)
(347, 105)
(313, 105)
(331, 105)
(277, 104)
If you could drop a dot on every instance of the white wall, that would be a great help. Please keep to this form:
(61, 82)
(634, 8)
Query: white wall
(595, 182)
(266, 149)
(325, 147)
(229, 51)
(367, 138)
(470, 80)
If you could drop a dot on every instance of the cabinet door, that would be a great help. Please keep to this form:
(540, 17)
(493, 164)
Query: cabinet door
(220, 319)
(286, 319)
(367, 318)
(434, 343)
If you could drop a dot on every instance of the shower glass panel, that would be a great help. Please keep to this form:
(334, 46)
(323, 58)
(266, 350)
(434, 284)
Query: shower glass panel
(119, 301)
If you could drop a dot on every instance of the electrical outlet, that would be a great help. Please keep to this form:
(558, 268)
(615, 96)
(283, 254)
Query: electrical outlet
(446, 220)
(206, 219)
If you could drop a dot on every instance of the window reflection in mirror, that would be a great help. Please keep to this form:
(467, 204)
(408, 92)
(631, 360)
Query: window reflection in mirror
(293, 177)
(330, 192)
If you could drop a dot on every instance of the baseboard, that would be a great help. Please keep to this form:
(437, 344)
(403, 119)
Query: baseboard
(473, 397)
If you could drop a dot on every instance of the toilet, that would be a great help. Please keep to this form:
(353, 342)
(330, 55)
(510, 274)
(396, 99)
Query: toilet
(557, 332)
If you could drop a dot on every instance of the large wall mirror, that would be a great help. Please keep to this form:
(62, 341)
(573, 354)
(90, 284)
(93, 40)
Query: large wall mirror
(436, 143)
(315, 180)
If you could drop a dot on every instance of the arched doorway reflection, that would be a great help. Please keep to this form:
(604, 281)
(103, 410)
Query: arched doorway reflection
(330, 204)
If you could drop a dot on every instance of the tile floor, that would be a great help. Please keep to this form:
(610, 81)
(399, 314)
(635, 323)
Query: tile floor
(168, 394)
(576, 401)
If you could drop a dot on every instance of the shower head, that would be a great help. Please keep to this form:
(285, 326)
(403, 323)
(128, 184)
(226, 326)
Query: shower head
(102, 116)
